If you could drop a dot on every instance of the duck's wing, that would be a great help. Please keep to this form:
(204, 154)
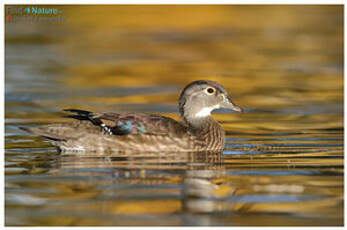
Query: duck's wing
(130, 123)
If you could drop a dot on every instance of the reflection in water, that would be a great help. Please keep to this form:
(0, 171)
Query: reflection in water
(142, 160)
(192, 184)
(198, 171)
(200, 175)
(200, 190)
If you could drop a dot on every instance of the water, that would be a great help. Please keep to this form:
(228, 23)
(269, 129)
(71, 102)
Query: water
(283, 163)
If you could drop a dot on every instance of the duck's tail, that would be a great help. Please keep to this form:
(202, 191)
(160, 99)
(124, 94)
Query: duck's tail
(50, 132)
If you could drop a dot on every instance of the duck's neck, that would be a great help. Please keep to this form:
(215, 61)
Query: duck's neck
(208, 130)
(198, 123)
(198, 118)
(202, 124)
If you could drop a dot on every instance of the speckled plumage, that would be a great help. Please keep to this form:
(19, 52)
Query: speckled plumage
(134, 132)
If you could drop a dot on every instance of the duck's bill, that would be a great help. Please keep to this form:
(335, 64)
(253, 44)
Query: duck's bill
(236, 108)
(230, 105)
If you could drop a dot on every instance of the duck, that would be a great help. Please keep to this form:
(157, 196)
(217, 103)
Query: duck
(196, 131)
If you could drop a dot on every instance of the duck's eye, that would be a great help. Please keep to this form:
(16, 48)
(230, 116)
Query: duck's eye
(210, 90)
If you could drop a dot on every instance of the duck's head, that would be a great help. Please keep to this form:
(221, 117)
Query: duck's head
(199, 98)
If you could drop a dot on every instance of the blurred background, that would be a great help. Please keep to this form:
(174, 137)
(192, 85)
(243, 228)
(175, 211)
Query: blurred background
(284, 158)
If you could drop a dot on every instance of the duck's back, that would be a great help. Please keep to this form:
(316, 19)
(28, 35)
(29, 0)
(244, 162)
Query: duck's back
(114, 132)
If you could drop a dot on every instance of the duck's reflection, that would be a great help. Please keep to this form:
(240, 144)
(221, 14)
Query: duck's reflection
(198, 173)
(201, 187)
(151, 161)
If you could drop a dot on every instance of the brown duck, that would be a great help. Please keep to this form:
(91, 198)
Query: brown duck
(137, 132)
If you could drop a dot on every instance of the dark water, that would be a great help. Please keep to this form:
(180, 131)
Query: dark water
(284, 159)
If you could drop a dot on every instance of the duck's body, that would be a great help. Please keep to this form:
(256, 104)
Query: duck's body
(137, 132)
